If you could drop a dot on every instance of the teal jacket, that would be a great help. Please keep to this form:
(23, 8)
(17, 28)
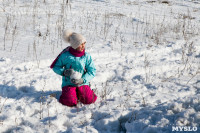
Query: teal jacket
(83, 64)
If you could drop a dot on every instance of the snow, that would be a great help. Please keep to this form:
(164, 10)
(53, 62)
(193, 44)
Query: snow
(146, 53)
(75, 75)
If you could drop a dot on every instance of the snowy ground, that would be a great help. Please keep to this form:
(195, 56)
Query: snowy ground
(147, 55)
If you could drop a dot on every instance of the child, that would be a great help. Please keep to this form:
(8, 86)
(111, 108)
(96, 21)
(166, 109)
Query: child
(77, 69)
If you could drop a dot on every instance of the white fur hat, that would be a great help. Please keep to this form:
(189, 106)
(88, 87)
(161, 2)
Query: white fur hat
(74, 39)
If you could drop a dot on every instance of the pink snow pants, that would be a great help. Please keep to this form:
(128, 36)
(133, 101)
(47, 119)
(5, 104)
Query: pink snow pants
(71, 95)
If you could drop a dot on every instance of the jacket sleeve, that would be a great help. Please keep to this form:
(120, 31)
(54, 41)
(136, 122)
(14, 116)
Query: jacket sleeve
(90, 70)
(59, 67)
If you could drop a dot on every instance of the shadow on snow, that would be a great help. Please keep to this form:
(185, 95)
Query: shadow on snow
(26, 92)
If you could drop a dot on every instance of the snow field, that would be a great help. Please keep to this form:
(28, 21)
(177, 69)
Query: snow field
(146, 55)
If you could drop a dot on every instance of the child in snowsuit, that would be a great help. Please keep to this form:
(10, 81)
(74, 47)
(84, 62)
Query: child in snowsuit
(77, 69)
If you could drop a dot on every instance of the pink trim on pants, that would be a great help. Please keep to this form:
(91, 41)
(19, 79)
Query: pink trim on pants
(71, 95)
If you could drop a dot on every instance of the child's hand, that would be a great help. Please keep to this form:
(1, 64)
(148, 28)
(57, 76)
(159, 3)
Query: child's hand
(67, 72)
(77, 81)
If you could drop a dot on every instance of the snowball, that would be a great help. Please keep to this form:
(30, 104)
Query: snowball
(75, 75)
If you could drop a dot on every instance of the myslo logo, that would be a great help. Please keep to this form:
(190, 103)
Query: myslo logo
(186, 129)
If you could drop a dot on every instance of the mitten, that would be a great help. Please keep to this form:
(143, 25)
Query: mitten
(67, 72)
(77, 81)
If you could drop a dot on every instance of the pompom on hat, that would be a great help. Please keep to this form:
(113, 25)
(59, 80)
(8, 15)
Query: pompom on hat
(74, 39)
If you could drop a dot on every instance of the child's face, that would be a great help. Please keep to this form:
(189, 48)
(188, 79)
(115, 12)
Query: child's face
(81, 47)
